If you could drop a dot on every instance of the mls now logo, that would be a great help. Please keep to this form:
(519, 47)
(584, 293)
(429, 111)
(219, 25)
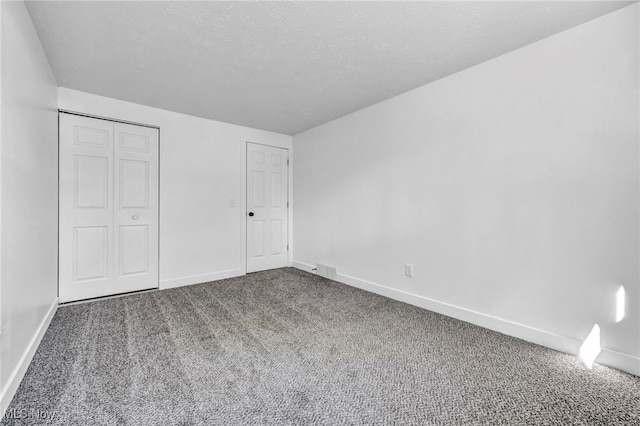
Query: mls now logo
(33, 413)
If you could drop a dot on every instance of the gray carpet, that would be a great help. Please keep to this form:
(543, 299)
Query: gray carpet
(287, 347)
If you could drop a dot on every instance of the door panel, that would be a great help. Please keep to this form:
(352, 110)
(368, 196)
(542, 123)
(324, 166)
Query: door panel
(134, 143)
(136, 213)
(258, 238)
(91, 136)
(267, 183)
(134, 184)
(90, 252)
(276, 189)
(258, 188)
(276, 232)
(134, 249)
(100, 242)
(86, 205)
(90, 181)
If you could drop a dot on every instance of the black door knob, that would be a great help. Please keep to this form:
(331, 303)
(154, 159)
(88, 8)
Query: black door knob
(250, 213)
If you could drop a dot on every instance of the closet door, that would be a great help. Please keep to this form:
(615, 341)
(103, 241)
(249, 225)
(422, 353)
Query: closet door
(136, 207)
(101, 253)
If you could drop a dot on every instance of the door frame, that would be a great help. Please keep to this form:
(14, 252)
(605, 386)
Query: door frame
(114, 120)
(243, 203)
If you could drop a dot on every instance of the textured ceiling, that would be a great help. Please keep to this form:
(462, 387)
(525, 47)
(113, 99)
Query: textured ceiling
(284, 66)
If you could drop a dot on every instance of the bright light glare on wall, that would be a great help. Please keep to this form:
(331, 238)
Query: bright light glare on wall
(620, 300)
(590, 349)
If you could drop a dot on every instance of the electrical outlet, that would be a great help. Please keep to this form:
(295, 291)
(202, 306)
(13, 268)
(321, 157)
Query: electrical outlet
(408, 269)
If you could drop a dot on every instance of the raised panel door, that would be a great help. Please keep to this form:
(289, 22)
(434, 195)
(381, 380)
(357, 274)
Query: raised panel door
(267, 207)
(108, 208)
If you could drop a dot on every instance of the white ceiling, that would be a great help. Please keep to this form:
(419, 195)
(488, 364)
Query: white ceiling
(285, 66)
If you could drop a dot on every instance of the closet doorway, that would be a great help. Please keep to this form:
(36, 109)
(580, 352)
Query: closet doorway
(108, 205)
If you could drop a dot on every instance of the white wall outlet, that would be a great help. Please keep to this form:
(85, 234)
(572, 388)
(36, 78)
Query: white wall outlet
(232, 202)
(408, 269)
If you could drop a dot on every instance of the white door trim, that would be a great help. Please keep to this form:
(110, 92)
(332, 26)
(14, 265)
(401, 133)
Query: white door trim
(115, 120)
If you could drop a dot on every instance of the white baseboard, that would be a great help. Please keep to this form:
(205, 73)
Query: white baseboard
(18, 373)
(302, 266)
(551, 340)
(619, 360)
(202, 278)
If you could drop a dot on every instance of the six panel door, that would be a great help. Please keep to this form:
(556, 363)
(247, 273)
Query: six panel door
(108, 208)
(267, 207)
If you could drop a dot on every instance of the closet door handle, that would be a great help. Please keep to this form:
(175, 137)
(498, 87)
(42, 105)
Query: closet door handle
(135, 217)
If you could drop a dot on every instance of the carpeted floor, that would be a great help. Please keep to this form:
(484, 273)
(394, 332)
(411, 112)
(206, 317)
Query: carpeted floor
(287, 347)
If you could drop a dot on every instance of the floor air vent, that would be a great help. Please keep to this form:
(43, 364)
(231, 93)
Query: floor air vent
(327, 271)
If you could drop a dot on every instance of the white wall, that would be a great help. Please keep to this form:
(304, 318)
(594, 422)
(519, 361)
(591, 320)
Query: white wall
(29, 153)
(511, 186)
(202, 167)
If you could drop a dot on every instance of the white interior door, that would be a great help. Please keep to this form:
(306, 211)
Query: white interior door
(108, 208)
(267, 207)
(86, 207)
(136, 208)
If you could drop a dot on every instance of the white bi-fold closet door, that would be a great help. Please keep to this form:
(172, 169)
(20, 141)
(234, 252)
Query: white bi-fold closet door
(108, 208)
